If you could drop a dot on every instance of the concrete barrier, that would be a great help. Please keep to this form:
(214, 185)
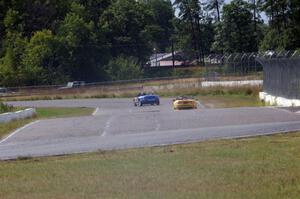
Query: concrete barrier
(204, 84)
(232, 83)
(172, 86)
(278, 101)
(8, 117)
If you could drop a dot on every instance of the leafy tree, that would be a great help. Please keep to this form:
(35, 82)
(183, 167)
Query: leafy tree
(123, 68)
(235, 33)
(82, 56)
(278, 11)
(41, 14)
(124, 25)
(284, 27)
(258, 24)
(194, 29)
(161, 29)
(214, 8)
(13, 21)
(288, 39)
(95, 8)
(3, 10)
(191, 14)
(14, 46)
(40, 64)
(10, 64)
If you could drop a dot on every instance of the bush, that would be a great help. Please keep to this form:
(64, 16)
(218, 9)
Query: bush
(124, 68)
(5, 108)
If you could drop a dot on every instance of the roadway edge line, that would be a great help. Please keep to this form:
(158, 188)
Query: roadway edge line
(152, 133)
(18, 130)
(95, 111)
(107, 126)
(200, 104)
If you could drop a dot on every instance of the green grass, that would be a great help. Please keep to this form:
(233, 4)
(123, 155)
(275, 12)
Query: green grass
(214, 91)
(11, 126)
(230, 101)
(261, 167)
(44, 113)
(63, 112)
(5, 108)
(222, 97)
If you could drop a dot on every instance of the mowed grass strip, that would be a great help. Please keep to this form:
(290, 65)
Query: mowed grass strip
(55, 112)
(230, 101)
(261, 167)
(221, 97)
(7, 128)
(44, 113)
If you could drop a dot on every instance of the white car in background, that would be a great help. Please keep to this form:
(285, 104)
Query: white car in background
(75, 84)
(3, 91)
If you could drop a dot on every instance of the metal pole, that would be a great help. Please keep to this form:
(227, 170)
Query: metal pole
(155, 57)
(173, 57)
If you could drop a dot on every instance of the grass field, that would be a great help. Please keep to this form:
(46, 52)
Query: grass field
(232, 101)
(44, 113)
(220, 97)
(260, 167)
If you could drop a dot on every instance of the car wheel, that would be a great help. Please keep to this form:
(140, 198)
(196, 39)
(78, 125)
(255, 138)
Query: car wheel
(157, 103)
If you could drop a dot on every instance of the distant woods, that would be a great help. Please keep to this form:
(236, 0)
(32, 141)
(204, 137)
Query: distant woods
(52, 42)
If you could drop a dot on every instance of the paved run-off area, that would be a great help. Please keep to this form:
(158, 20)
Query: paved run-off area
(117, 124)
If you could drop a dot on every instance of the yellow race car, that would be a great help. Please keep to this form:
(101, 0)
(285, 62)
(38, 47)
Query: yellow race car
(184, 103)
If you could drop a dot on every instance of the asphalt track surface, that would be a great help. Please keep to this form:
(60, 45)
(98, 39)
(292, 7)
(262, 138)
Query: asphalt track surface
(117, 124)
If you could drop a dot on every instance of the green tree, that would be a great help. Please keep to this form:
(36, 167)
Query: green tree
(95, 8)
(82, 55)
(284, 27)
(161, 28)
(14, 46)
(192, 18)
(235, 33)
(48, 42)
(214, 8)
(10, 64)
(40, 63)
(40, 14)
(124, 24)
(123, 68)
(3, 10)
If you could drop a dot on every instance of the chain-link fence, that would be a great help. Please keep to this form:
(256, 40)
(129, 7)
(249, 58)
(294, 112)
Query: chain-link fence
(281, 73)
(214, 64)
(235, 63)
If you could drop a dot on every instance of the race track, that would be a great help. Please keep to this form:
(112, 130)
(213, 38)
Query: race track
(117, 124)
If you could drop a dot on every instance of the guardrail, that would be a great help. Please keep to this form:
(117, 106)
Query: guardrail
(11, 116)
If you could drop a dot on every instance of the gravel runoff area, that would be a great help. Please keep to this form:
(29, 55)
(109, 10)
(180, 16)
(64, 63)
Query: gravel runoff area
(117, 124)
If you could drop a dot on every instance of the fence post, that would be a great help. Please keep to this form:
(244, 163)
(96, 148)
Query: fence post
(173, 57)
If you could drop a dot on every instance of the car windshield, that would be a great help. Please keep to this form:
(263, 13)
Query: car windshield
(150, 97)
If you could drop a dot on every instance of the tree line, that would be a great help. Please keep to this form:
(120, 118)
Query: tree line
(51, 42)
